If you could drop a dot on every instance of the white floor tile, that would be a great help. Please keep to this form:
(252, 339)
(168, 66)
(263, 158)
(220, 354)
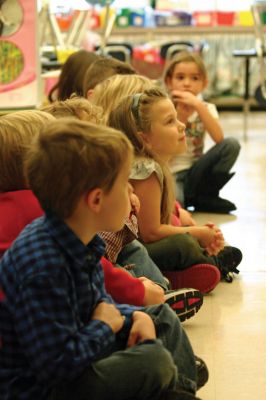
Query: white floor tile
(229, 332)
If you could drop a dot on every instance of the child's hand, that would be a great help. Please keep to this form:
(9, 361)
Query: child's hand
(135, 203)
(109, 314)
(206, 235)
(187, 98)
(218, 244)
(186, 218)
(154, 294)
(142, 329)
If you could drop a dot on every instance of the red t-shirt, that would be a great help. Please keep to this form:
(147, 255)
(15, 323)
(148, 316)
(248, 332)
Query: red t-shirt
(19, 208)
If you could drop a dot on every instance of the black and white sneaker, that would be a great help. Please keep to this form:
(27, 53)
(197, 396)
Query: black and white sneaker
(185, 302)
(227, 261)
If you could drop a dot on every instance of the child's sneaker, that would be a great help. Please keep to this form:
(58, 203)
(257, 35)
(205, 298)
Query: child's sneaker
(202, 372)
(185, 302)
(203, 277)
(227, 261)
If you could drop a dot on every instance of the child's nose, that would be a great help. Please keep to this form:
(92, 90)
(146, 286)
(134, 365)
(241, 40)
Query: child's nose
(180, 126)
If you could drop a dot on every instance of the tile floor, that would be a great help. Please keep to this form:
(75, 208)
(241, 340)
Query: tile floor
(229, 331)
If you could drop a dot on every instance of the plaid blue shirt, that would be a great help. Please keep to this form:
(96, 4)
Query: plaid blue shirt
(50, 283)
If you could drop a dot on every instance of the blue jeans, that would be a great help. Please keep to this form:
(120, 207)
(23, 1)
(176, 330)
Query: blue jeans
(135, 253)
(145, 371)
(213, 164)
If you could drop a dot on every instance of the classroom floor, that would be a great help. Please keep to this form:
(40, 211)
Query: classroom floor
(229, 331)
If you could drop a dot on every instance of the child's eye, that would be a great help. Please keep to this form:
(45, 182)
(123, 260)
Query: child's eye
(170, 121)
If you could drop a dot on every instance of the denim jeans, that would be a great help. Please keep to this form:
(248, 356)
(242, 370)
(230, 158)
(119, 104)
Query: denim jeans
(218, 160)
(135, 253)
(145, 371)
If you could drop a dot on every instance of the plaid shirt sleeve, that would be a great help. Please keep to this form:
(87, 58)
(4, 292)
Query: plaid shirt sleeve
(57, 343)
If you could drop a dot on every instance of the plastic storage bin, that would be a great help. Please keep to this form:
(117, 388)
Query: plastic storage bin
(172, 18)
(204, 18)
(123, 18)
(225, 18)
(245, 18)
(263, 17)
(137, 18)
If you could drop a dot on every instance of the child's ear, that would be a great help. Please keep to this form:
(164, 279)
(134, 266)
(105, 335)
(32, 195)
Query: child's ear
(94, 200)
(145, 138)
(89, 93)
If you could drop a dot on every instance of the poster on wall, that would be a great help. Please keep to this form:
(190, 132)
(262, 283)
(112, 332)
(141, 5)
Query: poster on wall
(19, 60)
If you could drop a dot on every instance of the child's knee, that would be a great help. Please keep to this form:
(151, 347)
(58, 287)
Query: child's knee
(232, 145)
(158, 363)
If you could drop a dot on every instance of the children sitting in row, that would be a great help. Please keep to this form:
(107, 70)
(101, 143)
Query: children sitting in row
(62, 336)
(185, 302)
(199, 176)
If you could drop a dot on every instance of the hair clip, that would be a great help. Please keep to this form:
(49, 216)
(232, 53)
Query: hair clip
(135, 105)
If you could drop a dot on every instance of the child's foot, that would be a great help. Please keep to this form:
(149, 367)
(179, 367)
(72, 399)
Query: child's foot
(203, 277)
(227, 261)
(185, 302)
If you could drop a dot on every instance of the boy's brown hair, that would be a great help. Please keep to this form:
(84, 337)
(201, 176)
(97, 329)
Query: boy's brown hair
(103, 68)
(16, 132)
(72, 157)
(184, 56)
(72, 75)
(76, 107)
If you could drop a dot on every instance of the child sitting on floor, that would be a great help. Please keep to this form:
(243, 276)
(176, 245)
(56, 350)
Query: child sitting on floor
(150, 121)
(199, 176)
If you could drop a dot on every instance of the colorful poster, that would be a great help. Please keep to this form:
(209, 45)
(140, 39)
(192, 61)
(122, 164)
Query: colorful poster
(19, 60)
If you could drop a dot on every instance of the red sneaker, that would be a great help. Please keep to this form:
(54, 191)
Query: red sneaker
(203, 277)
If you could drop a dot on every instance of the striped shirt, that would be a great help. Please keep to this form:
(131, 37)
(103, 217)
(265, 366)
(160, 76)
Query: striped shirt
(50, 283)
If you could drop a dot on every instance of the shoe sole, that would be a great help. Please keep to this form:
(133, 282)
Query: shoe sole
(203, 277)
(186, 304)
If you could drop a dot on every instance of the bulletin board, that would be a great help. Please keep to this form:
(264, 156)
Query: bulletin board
(19, 59)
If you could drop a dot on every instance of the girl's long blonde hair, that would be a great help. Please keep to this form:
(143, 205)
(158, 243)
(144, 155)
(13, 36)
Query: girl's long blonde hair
(108, 93)
(132, 116)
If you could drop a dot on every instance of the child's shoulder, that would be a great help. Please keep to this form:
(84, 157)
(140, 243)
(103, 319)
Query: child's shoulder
(143, 167)
(31, 251)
